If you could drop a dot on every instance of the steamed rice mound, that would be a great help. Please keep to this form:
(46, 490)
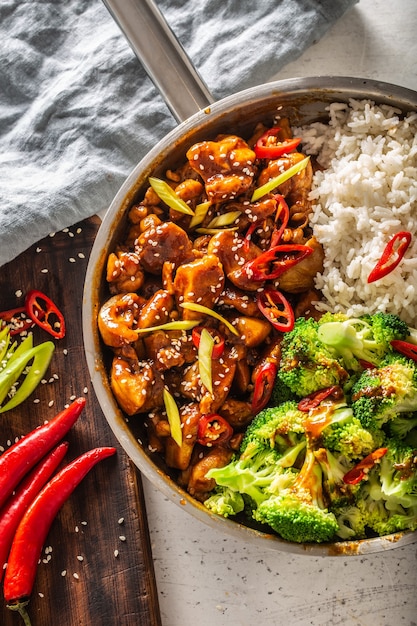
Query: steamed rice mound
(365, 194)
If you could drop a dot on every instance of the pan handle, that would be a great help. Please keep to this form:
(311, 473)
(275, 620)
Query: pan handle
(161, 55)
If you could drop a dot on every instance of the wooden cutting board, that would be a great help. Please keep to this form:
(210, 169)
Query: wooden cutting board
(97, 568)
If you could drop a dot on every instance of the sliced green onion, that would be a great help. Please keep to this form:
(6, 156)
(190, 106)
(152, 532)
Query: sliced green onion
(4, 343)
(205, 353)
(225, 219)
(200, 213)
(15, 367)
(173, 417)
(214, 231)
(278, 180)
(176, 325)
(168, 195)
(200, 308)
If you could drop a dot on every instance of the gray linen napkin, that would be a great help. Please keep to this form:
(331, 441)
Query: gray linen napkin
(77, 111)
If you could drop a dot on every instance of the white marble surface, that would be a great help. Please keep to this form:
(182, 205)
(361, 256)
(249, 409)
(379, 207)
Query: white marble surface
(210, 579)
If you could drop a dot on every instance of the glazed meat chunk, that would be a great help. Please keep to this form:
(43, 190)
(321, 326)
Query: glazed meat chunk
(226, 166)
(200, 281)
(164, 242)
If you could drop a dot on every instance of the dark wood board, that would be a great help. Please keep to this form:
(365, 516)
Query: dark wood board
(115, 580)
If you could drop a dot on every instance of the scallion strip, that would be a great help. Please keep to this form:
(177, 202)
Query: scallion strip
(278, 180)
(200, 213)
(214, 231)
(176, 325)
(205, 353)
(168, 195)
(225, 219)
(200, 308)
(173, 416)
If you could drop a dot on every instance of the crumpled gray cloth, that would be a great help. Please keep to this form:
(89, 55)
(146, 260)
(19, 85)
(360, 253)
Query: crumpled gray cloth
(77, 111)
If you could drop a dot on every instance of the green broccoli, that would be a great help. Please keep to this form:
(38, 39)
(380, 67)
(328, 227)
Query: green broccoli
(380, 394)
(362, 339)
(224, 501)
(350, 439)
(306, 364)
(403, 425)
(251, 475)
(351, 521)
(280, 428)
(370, 502)
(298, 513)
(334, 469)
(398, 474)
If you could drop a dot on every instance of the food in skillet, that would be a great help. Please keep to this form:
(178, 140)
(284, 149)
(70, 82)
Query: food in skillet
(217, 335)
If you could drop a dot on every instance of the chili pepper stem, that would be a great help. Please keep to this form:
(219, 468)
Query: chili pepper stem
(20, 607)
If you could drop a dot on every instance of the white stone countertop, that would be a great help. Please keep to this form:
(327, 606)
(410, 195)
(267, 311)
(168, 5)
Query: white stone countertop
(212, 579)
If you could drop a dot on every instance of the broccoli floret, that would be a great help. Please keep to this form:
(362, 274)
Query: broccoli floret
(298, 513)
(398, 475)
(397, 522)
(351, 439)
(388, 496)
(380, 394)
(402, 426)
(362, 339)
(280, 393)
(369, 500)
(225, 502)
(306, 364)
(351, 522)
(386, 327)
(334, 469)
(278, 427)
(251, 475)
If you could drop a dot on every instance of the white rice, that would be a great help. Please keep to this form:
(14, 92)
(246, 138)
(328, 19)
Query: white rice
(366, 193)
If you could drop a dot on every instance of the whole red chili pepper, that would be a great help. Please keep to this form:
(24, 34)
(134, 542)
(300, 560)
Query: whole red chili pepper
(213, 430)
(314, 399)
(45, 313)
(406, 348)
(12, 512)
(264, 384)
(358, 473)
(393, 253)
(275, 307)
(282, 217)
(269, 150)
(35, 524)
(275, 261)
(25, 453)
(17, 319)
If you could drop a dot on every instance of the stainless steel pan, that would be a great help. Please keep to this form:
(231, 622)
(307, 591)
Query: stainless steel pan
(303, 100)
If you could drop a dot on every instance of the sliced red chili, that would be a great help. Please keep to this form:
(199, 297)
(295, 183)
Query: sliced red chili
(249, 234)
(45, 313)
(17, 319)
(314, 399)
(406, 348)
(213, 430)
(264, 384)
(282, 217)
(359, 472)
(275, 307)
(392, 255)
(267, 147)
(365, 364)
(275, 261)
(218, 347)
